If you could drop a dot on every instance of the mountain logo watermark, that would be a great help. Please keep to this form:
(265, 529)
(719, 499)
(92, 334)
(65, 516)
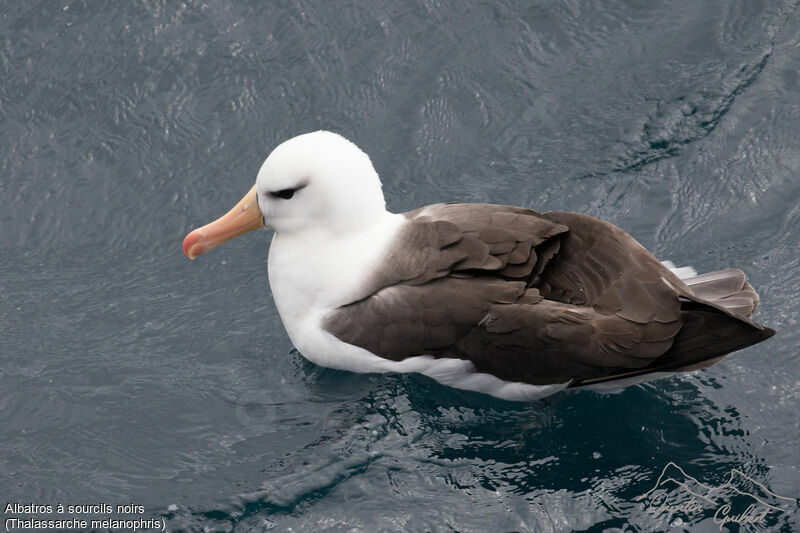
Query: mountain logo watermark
(740, 500)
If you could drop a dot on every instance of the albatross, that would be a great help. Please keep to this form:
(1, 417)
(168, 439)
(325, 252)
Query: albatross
(491, 298)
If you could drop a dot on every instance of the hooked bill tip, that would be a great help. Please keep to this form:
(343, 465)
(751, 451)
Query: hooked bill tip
(192, 246)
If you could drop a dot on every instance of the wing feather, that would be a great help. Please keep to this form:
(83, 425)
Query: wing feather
(527, 297)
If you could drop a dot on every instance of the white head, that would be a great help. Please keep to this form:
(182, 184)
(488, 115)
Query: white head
(319, 180)
(316, 181)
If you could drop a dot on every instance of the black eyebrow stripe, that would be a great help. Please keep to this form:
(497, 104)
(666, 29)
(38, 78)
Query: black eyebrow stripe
(287, 192)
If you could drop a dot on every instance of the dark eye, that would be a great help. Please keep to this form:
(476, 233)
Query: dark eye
(285, 193)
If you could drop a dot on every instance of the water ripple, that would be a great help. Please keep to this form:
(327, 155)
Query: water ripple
(132, 374)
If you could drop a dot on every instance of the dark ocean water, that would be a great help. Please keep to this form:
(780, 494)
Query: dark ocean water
(130, 375)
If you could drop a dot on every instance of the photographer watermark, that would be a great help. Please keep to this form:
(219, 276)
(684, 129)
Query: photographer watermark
(740, 500)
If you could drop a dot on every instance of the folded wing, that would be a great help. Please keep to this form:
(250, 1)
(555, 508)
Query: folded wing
(530, 297)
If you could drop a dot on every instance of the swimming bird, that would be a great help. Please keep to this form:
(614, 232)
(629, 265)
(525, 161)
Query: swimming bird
(492, 298)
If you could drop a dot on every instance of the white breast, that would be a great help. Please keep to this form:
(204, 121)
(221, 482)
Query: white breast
(313, 273)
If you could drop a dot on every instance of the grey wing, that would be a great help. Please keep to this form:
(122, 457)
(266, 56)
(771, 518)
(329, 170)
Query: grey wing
(602, 267)
(526, 297)
(504, 328)
(508, 243)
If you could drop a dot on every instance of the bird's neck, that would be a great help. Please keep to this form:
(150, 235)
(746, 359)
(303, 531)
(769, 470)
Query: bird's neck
(320, 270)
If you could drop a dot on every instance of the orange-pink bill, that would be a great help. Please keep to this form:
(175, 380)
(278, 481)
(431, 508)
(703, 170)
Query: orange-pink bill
(244, 217)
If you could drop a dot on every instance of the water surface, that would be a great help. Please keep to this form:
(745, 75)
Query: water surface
(131, 375)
